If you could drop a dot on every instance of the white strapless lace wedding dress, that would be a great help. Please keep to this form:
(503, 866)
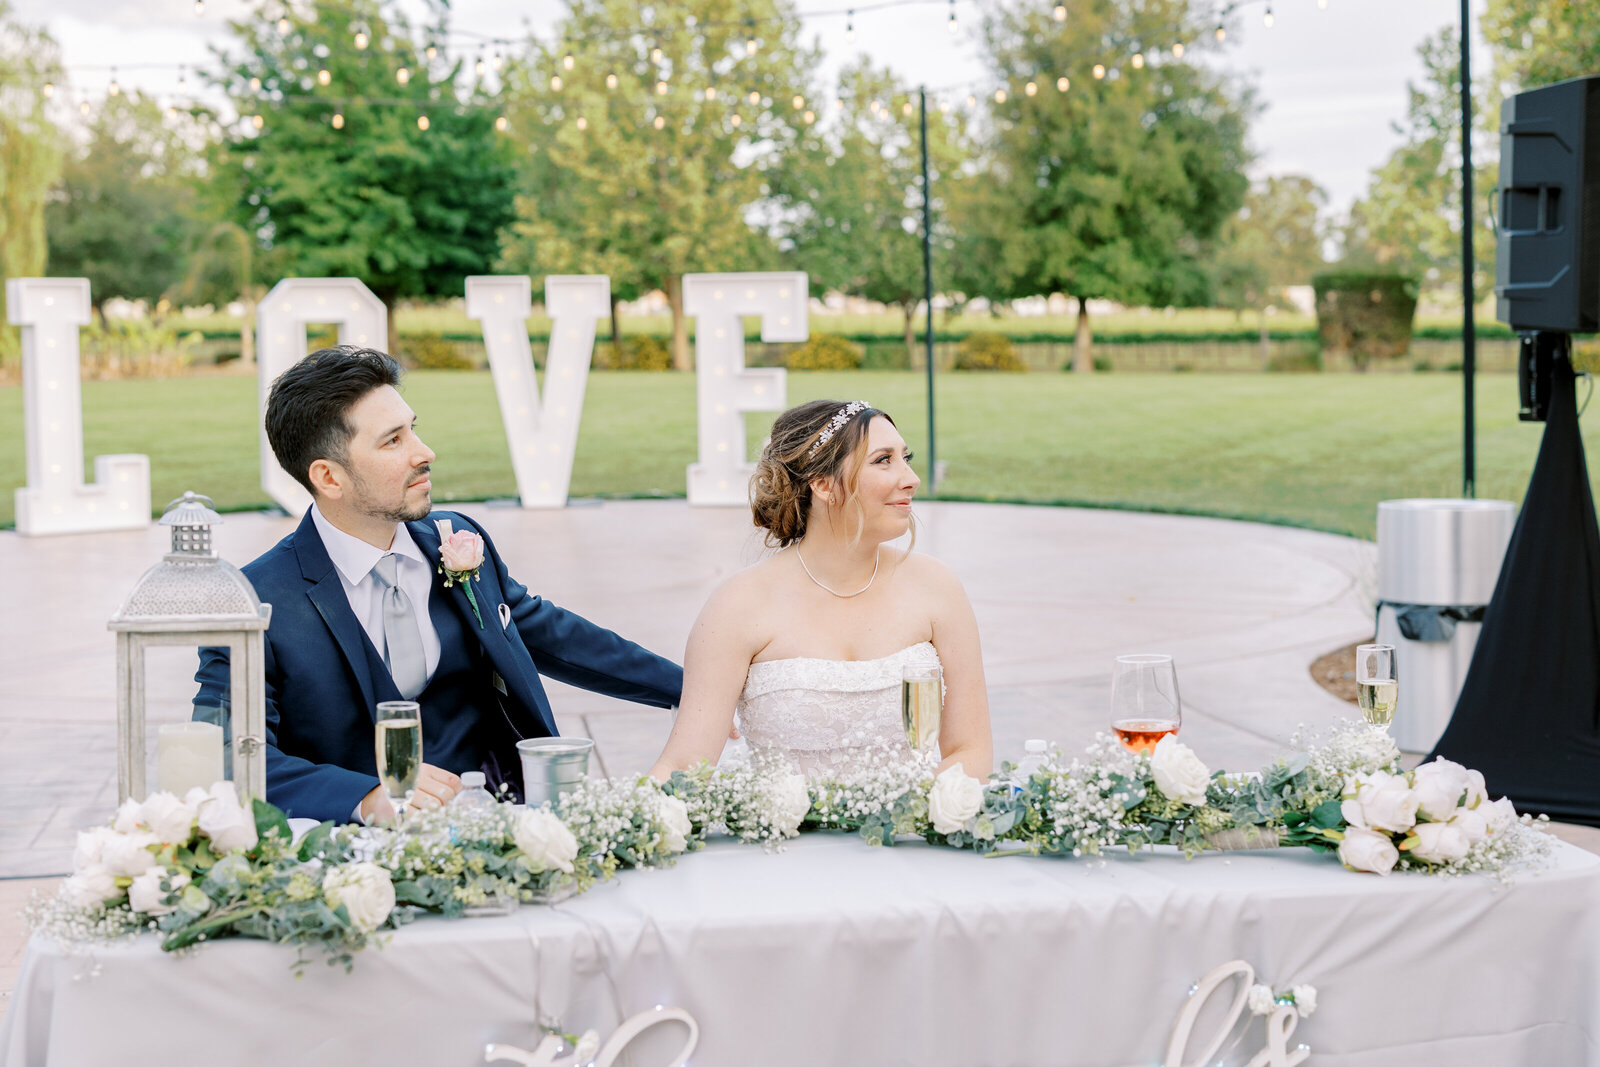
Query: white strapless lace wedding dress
(824, 714)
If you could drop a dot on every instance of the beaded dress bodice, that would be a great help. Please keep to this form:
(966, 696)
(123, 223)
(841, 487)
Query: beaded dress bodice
(822, 713)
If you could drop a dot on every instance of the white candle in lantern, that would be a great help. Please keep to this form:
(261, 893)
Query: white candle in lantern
(188, 754)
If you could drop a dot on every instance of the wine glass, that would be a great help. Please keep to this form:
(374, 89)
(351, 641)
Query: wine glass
(1145, 706)
(1377, 684)
(397, 743)
(921, 704)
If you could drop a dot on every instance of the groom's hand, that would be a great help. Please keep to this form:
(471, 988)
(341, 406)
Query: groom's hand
(435, 788)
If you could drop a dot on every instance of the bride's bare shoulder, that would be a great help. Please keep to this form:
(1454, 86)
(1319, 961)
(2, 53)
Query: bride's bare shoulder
(927, 572)
(746, 590)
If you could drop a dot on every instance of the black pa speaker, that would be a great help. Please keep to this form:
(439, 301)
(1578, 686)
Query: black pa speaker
(1547, 257)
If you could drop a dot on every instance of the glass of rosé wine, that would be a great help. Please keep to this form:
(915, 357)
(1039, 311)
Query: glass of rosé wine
(1145, 706)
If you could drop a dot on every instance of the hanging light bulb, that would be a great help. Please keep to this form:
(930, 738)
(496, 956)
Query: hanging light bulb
(1030, 88)
(661, 88)
(810, 117)
(502, 124)
(944, 107)
(113, 89)
(433, 52)
(199, 7)
(478, 66)
(172, 112)
(799, 102)
(838, 103)
(324, 77)
(555, 83)
(1322, 5)
(49, 90)
(1099, 71)
(283, 25)
(1177, 50)
(83, 108)
(257, 121)
(735, 119)
(255, 85)
(754, 97)
(183, 77)
(1266, 20)
(402, 75)
(905, 109)
(362, 40)
(337, 122)
(655, 55)
(711, 92)
(1138, 61)
(749, 46)
(1222, 34)
(422, 122)
(611, 81)
(952, 23)
(567, 62)
(500, 62)
(660, 123)
(1062, 84)
(1061, 12)
(583, 123)
(972, 100)
(850, 25)
(999, 96)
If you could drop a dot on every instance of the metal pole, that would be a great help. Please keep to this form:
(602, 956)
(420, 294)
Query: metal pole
(1469, 338)
(927, 291)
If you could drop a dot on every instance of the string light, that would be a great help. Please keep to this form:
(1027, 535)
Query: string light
(1177, 50)
(199, 7)
(83, 108)
(183, 77)
(754, 97)
(402, 75)
(1061, 12)
(172, 112)
(660, 123)
(1266, 20)
(555, 83)
(283, 25)
(422, 122)
(611, 81)
(655, 55)
(257, 121)
(972, 101)
(433, 52)
(661, 88)
(735, 119)
(952, 22)
(113, 89)
(583, 123)
(337, 122)
(502, 124)
(810, 117)
(905, 109)
(1099, 71)
(1138, 61)
(1062, 84)
(255, 85)
(944, 107)
(500, 61)
(799, 102)
(478, 66)
(711, 92)
(49, 90)
(324, 77)
(750, 46)
(361, 40)
(567, 62)
(1322, 5)
(1222, 34)
(1030, 89)
(850, 25)
(999, 96)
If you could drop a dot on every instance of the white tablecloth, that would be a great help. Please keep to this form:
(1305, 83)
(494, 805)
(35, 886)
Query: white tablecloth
(836, 953)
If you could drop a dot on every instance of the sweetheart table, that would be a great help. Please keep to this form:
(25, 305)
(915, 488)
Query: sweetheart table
(834, 952)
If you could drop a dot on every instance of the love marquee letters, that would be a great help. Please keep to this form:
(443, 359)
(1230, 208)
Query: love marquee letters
(542, 432)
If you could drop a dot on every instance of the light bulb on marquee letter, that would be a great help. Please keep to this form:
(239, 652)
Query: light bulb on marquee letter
(726, 388)
(281, 342)
(55, 499)
(543, 436)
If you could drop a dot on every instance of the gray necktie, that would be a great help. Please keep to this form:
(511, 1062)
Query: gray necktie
(402, 638)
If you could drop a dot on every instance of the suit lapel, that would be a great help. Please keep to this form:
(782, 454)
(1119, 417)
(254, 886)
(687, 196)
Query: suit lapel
(328, 595)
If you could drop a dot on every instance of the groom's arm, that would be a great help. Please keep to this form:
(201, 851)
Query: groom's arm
(569, 648)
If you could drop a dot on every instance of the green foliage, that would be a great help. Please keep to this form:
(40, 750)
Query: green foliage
(633, 353)
(1537, 42)
(431, 351)
(1301, 361)
(408, 211)
(988, 351)
(134, 348)
(30, 155)
(1365, 314)
(1274, 241)
(826, 351)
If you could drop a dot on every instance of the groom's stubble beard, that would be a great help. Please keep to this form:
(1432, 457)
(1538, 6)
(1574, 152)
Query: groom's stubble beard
(367, 503)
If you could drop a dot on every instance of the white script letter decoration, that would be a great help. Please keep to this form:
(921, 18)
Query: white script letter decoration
(590, 1053)
(281, 342)
(1280, 1023)
(543, 437)
(726, 389)
(55, 499)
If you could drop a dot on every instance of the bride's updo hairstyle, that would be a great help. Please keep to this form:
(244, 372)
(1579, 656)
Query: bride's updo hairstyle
(797, 455)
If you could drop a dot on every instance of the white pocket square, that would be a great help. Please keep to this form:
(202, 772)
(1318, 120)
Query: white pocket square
(505, 616)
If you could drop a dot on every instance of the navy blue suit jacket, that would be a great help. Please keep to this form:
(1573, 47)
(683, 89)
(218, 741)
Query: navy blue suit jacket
(324, 678)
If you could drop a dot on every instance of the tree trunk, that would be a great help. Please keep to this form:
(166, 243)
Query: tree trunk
(909, 308)
(1082, 361)
(247, 330)
(681, 357)
(393, 339)
(616, 328)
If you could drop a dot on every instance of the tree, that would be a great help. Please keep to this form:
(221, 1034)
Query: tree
(1410, 219)
(1542, 41)
(1272, 242)
(30, 154)
(1114, 187)
(646, 156)
(849, 197)
(123, 214)
(399, 179)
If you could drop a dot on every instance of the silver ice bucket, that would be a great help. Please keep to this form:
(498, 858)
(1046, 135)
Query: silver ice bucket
(552, 766)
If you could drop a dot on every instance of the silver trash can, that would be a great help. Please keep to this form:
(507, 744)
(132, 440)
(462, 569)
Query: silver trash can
(1438, 561)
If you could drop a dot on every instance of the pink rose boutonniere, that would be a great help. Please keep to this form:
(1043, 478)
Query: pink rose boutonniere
(460, 556)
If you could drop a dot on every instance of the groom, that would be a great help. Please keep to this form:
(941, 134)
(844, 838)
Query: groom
(361, 614)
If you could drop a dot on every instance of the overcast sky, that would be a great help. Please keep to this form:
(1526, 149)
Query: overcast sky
(1331, 81)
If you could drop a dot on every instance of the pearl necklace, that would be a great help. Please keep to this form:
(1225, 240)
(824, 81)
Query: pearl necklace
(842, 596)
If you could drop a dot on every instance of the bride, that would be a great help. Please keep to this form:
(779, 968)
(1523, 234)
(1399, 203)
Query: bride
(808, 645)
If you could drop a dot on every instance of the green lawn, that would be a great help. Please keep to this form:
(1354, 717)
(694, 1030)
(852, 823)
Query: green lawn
(1318, 450)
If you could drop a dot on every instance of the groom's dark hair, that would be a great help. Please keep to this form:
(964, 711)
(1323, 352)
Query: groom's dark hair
(309, 402)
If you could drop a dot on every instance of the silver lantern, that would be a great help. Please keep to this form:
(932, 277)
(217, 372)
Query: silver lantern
(193, 598)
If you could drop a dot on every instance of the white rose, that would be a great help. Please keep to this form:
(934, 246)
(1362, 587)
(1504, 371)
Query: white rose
(1501, 815)
(364, 889)
(91, 847)
(1261, 1000)
(230, 826)
(673, 814)
(146, 894)
(92, 886)
(544, 841)
(791, 801)
(1439, 842)
(1473, 824)
(170, 819)
(956, 796)
(1305, 999)
(1368, 850)
(1178, 772)
(1439, 787)
(128, 814)
(1477, 789)
(1382, 801)
(128, 855)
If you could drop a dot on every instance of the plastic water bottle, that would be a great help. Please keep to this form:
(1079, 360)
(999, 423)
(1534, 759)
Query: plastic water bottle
(1034, 754)
(473, 795)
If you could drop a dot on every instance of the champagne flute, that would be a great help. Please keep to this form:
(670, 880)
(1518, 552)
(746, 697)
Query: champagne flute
(1145, 706)
(1377, 684)
(397, 743)
(921, 705)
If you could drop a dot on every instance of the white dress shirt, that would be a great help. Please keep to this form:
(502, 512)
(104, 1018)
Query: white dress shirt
(353, 558)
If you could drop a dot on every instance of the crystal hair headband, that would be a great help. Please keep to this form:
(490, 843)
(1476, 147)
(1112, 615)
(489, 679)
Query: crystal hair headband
(844, 415)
